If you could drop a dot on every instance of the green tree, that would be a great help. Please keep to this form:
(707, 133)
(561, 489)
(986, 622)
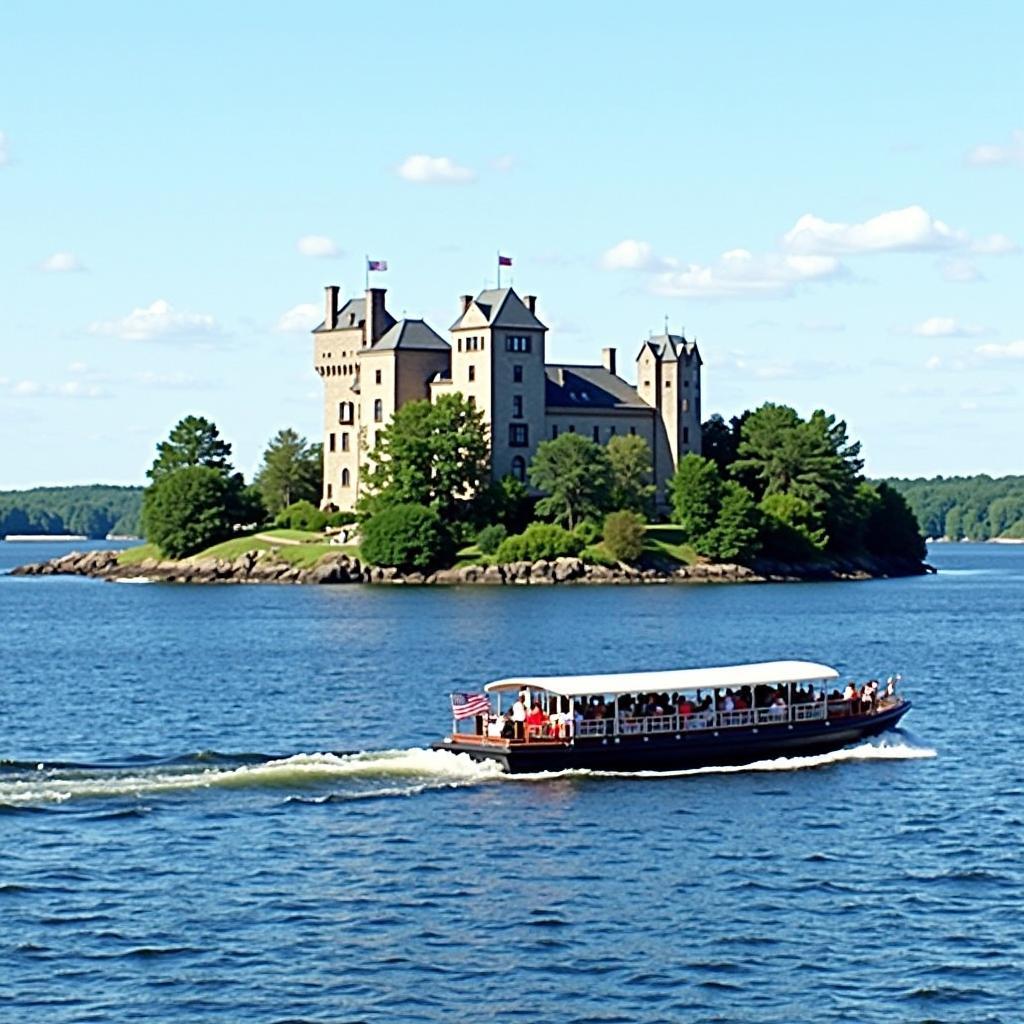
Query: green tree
(624, 535)
(406, 536)
(301, 515)
(735, 533)
(696, 493)
(437, 455)
(790, 528)
(187, 509)
(489, 539)
(720, 440)
(576, 476)
(291, 470)
(505, 501)
(193, 441)
(893, 529)
(632, 470)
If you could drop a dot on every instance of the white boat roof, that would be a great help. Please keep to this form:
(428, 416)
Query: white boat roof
(757, 674)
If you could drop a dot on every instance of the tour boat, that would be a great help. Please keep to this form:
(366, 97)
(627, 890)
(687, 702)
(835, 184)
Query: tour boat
(669, 721)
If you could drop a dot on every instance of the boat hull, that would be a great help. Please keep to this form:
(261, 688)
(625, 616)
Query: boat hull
(705, 748)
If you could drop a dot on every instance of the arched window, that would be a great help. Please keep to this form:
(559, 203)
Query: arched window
(519, 468)
(378, 410)
(346, 478)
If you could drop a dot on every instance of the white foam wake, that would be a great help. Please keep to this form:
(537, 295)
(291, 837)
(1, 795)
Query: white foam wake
(437, 767)
(864, 752)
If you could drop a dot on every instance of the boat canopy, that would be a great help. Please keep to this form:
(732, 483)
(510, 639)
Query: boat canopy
(758, 674)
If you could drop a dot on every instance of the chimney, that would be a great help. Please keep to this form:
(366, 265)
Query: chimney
(377, 319)
(531, 302)
(608, 359)
(465, 300)
(331, 307)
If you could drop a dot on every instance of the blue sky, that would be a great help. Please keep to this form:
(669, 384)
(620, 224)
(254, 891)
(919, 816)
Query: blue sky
(828, 198)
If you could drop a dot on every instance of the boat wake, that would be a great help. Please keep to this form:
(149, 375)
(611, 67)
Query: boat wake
(313, 778)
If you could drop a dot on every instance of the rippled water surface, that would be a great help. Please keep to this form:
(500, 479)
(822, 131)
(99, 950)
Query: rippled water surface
(216, 803)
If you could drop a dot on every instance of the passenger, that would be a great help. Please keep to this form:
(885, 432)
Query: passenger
(852, 698)
(519, 718)
(496, 726)
(685, 707)
(508, 730)
(535, 721)
(739, 702)
(890, 687)
(729, 703)
(778, 706)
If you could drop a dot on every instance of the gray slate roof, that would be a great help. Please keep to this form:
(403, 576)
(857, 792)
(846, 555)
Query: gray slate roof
(502, 307)
(672, 347)
(354, 310)
(407, 334)
(588, 387)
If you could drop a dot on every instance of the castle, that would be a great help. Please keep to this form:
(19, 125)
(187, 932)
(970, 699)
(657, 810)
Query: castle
(372, 363)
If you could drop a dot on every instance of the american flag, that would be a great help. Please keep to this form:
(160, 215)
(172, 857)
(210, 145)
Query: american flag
(504, 261)
(469, 705)
(376, 264)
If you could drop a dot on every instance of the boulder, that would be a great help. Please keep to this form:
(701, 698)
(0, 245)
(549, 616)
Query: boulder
(444, 576)
(493, 575)
(565, 569)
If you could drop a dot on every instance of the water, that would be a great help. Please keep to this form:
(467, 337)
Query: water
(216, 805)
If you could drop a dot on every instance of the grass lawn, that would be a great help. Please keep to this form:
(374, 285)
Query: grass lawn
(132, 556)
(302, 555)
(666, 541)
(304, 536)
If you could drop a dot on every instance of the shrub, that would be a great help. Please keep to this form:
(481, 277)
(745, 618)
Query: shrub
(336, 519)
(188, 509)
(489, 538)
(301, 515)
(588, 531)
(539, 540)
(624, 535)
(406, 537)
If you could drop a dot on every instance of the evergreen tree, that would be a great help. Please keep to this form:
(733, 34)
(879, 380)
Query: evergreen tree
(187, 510)
(291, 470)
(696, 493)
(735, 533)
(194, 441)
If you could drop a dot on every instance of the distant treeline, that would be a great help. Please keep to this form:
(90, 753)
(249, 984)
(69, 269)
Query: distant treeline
(94, 510)
(966, 507)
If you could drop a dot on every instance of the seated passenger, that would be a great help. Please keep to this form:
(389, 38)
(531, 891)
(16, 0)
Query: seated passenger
(536, 720)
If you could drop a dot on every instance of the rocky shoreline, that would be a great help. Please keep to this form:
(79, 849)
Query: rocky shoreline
(267, 567)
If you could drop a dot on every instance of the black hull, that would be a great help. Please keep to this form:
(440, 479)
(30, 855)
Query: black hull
(691, 749)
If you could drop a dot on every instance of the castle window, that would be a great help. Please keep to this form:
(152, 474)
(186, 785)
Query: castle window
(472, 373)
(517, 374)
(518, 435)
(686, 435)
(378, 411)
(686, 383)
(572, 428)
(517, 406)
(517, 343)
(459, 344)
(668, 384)
(330, 491)
(482, 344)
(472, 401)
(346, 478)
(647, 383)
(554, 431)
(597, 435)
(331, 438)
(632, 430)
(611, 430)
(376, 376)
(346, 412)
(344, 441)
(686, 405)
(519, 468)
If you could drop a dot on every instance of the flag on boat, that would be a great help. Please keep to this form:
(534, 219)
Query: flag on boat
(376, 264)
(504, 261)
(469, 705)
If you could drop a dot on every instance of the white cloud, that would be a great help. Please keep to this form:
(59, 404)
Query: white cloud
(318, 245)
(26, 388)
(503, 163)
(946, 327)
(739, 273)
(910, 229)
(62, 263)
(995, 245)
(424, 169)
(303, 317)
(5, 153)
(991, 155)
(960, 271)
(933, 363)
(1011, 350)
(158, 322)
(629, 254)
(67, 389)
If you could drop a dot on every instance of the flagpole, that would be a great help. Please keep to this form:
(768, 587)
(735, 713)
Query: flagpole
(499, 270)
(366, 271)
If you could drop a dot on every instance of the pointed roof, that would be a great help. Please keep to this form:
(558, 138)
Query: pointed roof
(410, 334)
(500, 307)
(671, 347)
